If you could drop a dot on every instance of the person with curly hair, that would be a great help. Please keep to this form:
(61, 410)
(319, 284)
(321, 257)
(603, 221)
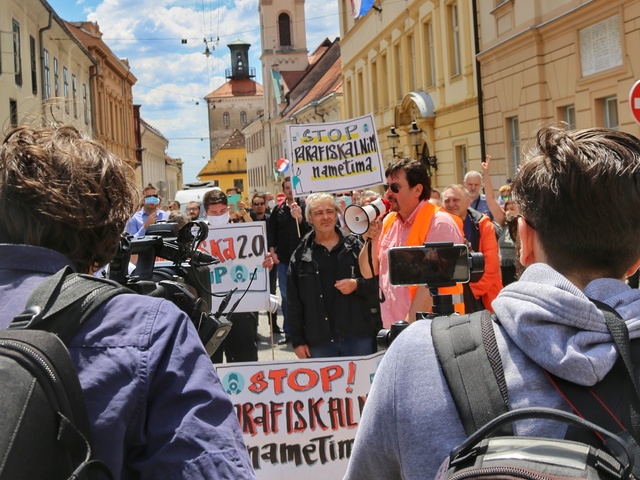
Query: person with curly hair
(155, 405)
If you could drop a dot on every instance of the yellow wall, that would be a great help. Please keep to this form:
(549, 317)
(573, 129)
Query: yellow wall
(380, 71)
(532, 69)
(227, 165)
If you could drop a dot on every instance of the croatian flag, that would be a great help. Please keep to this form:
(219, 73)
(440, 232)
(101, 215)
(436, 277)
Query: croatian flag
(282, 165)
(359, 8)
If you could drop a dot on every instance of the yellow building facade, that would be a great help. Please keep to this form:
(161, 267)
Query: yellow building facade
(544, 62)
(414, 61)
(228, 167)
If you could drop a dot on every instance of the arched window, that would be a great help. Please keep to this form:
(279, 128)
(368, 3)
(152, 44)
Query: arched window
(284, 29)
(226, 119)
(243, 118)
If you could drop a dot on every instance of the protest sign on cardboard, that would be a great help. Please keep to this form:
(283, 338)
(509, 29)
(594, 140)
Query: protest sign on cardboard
(240, 249)
(334, 157)
(299, 418)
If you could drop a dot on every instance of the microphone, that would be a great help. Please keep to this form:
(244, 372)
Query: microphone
(203, 258)
(358, 219)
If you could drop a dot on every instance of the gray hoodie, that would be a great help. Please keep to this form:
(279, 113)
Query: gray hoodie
(410, 423)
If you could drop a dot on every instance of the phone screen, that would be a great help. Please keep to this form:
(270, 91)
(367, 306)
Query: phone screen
(428, 265)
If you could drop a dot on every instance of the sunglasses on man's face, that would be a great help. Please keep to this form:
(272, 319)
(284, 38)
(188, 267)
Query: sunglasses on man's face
(151, 196)
(394, 187)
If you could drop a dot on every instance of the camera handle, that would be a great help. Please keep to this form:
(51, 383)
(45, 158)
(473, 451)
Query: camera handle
(442, 304)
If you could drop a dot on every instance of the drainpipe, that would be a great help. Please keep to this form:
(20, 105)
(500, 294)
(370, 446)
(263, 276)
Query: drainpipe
(476, 39)
(93, 99)
(40, 39)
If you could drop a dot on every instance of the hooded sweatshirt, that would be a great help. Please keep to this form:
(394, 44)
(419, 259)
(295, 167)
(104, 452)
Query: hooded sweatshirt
(410, 422)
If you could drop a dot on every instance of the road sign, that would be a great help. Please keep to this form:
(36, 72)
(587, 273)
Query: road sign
(280, 197)
(634, 101)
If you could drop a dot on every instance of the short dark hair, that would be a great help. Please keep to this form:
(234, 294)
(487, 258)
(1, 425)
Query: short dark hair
(579, 189)
(149, 187)
(214, 197)
(259, 195)
(62, 190)
(286, 179)
(416, 173)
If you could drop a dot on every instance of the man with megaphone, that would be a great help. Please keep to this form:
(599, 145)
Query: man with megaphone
(411, 222)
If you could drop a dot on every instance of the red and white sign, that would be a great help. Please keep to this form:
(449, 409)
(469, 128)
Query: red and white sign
(634, 101)
(280, 197)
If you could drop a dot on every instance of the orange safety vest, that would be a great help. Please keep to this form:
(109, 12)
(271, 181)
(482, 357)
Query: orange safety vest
(417, 235)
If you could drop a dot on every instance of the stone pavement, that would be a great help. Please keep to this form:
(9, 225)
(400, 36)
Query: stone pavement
(265, 353)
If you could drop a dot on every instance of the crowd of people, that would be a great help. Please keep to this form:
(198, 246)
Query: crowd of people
(331, 304)
(566, 228)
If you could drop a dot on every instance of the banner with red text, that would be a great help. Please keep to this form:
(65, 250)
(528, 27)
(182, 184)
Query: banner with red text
(335, 156)
(240, 249)
(299, 418)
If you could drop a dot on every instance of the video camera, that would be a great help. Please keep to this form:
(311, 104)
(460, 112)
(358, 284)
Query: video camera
(433, 265)
(185, 282)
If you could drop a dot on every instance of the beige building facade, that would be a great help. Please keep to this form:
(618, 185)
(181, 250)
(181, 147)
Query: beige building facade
(153, 169)
(44, 70)
(299, 87)
(284, 59)
(414, 61)
(543, 62)
(111, 84)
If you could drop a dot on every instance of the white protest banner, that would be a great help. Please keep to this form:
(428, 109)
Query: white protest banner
(241, 248)
(336, 156)
(300, 418)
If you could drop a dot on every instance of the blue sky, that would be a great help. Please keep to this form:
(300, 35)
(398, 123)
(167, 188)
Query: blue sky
(173, 78)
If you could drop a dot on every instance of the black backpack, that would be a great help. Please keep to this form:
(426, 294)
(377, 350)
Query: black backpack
(601, 441)
(44, 428)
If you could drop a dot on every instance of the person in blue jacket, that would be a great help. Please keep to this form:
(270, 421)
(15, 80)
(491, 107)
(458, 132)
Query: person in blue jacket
(156, 406)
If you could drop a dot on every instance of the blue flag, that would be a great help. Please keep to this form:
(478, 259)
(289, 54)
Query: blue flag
(359, 8)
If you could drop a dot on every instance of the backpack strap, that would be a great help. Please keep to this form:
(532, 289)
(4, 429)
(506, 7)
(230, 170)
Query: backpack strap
(467, 350)
(63, 302)
(614, 402)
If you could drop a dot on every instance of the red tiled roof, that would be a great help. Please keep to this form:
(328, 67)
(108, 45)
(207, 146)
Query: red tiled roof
(237, 88)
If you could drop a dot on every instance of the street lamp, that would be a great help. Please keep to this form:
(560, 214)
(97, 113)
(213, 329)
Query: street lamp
(393, 139)
(415, 138)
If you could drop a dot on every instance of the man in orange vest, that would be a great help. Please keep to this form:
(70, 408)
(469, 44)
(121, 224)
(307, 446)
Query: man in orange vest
(481, 235)
(411, 222)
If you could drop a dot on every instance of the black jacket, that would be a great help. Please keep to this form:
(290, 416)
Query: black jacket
(282, 233)
(306, 315)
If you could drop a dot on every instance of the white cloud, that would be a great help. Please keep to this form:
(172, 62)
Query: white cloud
(173, 77)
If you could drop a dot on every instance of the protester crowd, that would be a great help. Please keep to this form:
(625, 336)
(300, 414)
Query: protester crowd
(555, 251)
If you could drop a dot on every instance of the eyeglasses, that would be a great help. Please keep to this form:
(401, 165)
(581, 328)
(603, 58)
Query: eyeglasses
(394, 187)
(193, 209)
(512, 224)
(150, 196)
(261, 204)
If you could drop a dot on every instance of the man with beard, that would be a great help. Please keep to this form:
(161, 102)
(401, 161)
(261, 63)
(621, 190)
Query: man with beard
(412, 222)
(578, 230)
